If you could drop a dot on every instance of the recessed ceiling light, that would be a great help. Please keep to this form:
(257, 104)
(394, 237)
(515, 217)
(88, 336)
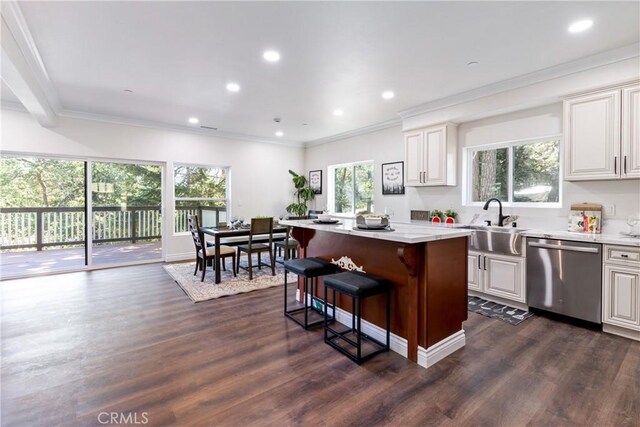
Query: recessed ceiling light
(580, 26)
(194, 120)
(271, 56)
(388, 94)
(233, 87)
(279, 133)
(472, 63)
(128, 90)
(338, 112)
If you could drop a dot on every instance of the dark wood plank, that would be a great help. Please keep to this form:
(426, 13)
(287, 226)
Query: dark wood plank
(129, 340)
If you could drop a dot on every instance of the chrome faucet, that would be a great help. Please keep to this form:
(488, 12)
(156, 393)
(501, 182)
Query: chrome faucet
(501, 217)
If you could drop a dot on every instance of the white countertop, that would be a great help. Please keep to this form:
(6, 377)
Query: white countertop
(611, 239)
(403, 232)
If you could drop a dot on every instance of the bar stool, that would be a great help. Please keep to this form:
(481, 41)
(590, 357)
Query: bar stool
(358, 286)
(308, 268)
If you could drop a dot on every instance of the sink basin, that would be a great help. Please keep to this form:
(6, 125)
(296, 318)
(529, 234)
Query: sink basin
(501, 240)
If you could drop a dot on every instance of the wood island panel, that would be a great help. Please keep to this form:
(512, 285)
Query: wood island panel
(428, 302)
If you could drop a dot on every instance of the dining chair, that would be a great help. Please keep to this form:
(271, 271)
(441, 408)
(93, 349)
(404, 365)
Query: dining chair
(208, 255)
(260, 228)
(313, 214)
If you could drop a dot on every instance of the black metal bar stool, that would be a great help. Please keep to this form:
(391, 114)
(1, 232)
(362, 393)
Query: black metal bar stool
(308, 268)
(358, 286)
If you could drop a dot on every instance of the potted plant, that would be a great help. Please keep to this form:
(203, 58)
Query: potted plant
(303, 194)
(436, 214)
(451, 213)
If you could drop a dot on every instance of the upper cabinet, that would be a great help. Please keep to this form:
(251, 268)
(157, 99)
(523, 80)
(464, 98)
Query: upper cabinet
(430, 156)
(601, 133)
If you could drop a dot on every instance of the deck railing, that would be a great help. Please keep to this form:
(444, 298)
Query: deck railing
(22, 228)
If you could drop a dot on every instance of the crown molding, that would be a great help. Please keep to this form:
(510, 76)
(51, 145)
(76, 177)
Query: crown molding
(355, 132)
(12, 105)
(166, 126)
(562, 70)
(16, 23)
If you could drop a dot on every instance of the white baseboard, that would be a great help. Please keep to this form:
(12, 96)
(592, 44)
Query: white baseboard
(396, 343)
(184, 256)
(432, 355)
(623, 332)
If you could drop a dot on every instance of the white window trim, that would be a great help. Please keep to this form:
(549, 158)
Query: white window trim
(331, 187)
(467, 167)
(226, 199)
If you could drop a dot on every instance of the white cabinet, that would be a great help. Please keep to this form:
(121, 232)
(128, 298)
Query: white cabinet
(504, 277)
(498, 275)
(601, 135)
(631, 132)
(430, 156)
(621, 291)
(474, 260)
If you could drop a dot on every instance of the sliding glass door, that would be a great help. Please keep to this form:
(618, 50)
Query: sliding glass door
(43, 211)
(126, 205)
(42, 215)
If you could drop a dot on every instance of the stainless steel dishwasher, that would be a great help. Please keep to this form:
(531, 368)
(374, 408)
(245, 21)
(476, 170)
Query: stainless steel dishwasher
(565, 277)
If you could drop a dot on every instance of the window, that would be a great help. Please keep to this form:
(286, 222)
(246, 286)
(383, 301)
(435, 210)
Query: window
(351, 187)
(202, 191)
(520, 173)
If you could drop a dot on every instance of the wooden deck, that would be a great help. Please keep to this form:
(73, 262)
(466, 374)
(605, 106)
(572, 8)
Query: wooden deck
(31, 262)
(129, 341)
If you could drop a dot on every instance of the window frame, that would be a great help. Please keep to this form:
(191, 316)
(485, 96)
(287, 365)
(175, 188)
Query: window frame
(467, 163)
(331, 191)
(226, 199)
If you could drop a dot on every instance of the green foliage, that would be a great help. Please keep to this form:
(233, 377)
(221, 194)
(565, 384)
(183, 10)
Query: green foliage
(192, 181)
(451, 213)
(33, 182)
(436, 213)
(537, 165)
(303, 194)
(354, 185)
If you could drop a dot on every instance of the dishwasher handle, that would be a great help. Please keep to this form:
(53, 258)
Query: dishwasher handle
(591, 250)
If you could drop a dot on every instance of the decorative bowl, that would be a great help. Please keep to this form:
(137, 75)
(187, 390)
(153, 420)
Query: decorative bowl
(373, 220)
(324, 217)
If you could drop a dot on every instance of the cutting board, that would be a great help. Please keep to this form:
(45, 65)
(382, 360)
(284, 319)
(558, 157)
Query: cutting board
(585, 218)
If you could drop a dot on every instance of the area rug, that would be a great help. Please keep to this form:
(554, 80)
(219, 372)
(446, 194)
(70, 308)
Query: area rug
(511, 315)
(199, 291)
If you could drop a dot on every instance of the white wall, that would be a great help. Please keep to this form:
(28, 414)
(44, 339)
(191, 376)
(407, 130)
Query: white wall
(260, 182)
(387, 145)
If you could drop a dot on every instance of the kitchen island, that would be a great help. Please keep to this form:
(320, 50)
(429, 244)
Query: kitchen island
(428, 269)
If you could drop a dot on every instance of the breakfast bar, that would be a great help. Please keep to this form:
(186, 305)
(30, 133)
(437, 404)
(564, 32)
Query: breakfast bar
(427, 267)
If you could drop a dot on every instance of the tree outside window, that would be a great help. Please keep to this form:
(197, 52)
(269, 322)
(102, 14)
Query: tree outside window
(522, 172)
(352, 189)
(202, 191)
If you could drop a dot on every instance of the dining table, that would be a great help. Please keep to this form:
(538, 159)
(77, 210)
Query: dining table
(222, 234)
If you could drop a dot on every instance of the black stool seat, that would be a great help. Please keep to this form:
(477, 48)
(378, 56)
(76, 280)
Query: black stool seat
(358, 286)
(309, 269)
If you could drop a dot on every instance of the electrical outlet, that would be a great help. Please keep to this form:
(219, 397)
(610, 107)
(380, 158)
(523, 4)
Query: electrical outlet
(610, 210)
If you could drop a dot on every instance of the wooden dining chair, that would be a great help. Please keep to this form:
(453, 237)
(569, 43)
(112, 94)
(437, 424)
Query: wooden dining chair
(206, 254)
(260, 228)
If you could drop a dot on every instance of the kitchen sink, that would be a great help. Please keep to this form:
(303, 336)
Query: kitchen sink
(500, 240)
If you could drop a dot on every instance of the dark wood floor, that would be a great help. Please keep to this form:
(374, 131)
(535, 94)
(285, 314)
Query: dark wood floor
(129, 341)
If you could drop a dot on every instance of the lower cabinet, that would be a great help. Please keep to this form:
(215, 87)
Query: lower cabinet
(499, 275)
(621, 290)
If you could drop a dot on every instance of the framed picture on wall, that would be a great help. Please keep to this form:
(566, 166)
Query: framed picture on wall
(393, 178)
(315, 181)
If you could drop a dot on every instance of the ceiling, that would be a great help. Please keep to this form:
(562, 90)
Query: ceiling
(177, 57)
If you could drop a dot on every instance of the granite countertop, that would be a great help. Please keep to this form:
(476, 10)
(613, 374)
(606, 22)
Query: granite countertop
(403, 232)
